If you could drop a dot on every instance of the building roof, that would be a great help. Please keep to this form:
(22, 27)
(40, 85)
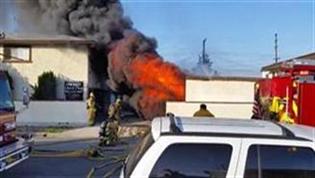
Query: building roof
(40, 39)
(229, 127)
(276, 66)
(224, 78)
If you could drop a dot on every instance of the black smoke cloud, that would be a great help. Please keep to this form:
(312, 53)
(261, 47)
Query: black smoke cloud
(102, 21)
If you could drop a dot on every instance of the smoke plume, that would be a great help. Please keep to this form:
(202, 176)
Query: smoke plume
(102, 21)
(137, 70)
(134, 68)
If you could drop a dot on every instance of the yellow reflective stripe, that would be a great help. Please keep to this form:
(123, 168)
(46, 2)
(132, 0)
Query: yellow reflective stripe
(275, 105)
(295, 108)
(285, 118)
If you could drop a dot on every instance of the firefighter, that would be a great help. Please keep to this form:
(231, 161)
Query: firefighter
(26, 97)
(114, 110)
(275, 108)
(109, 129)
(91, 107)
(203, 112)
(284, 115)
(278, 111)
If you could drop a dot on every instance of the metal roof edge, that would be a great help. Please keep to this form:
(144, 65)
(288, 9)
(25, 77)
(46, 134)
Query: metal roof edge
(274, 65)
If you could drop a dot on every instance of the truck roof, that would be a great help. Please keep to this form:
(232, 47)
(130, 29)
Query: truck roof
(229, 127)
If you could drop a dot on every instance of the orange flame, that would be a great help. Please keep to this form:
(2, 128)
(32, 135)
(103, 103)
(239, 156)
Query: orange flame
(138, 72)
(159, 81)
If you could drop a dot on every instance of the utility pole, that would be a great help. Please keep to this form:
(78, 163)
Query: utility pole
(276, 48)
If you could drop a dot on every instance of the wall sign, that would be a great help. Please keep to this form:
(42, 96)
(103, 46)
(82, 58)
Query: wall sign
(73, 90)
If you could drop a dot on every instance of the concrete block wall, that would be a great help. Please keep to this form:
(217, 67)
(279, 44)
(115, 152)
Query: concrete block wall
(52, 113)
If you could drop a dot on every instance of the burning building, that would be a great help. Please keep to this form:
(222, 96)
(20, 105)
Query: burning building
(136, 70)
(121, 58)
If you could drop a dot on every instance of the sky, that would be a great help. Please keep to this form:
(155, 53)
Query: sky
(7, 20)
(240, 34)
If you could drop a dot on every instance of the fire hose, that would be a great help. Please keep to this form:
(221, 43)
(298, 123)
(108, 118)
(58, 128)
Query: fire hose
(114, 161)
(92, 153)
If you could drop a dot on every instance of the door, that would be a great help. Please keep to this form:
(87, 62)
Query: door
(306, 111)
(268, 158)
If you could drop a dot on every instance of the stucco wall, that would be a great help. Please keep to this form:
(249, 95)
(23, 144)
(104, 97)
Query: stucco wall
(66, 61)
(219, 90)
(52, 113)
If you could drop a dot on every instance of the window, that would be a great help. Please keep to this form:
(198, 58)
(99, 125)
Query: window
(6, 102)
(280, 162)
(17, 54)
(134, 156)
(193, 160)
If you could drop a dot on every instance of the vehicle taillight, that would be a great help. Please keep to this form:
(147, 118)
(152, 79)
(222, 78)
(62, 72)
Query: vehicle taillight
(7, 133)
(8, 137)
(9, 126)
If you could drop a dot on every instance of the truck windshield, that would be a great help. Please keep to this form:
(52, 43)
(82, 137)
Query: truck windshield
(6, 102)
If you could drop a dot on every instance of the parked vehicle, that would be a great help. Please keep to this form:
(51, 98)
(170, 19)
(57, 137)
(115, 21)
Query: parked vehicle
(223, 148)
(13, 150)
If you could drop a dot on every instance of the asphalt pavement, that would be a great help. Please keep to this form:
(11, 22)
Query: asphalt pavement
(45, 162)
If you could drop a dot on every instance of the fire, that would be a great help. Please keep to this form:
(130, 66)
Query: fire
(159, 81)
(157, 78)
(138, 72)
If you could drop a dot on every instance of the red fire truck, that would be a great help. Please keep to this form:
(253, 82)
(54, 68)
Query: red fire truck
(13, 150)
(290, 92)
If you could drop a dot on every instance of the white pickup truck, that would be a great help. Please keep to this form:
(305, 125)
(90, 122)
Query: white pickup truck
(223, 148)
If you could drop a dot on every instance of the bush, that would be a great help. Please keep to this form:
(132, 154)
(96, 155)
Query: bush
(46, 87)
